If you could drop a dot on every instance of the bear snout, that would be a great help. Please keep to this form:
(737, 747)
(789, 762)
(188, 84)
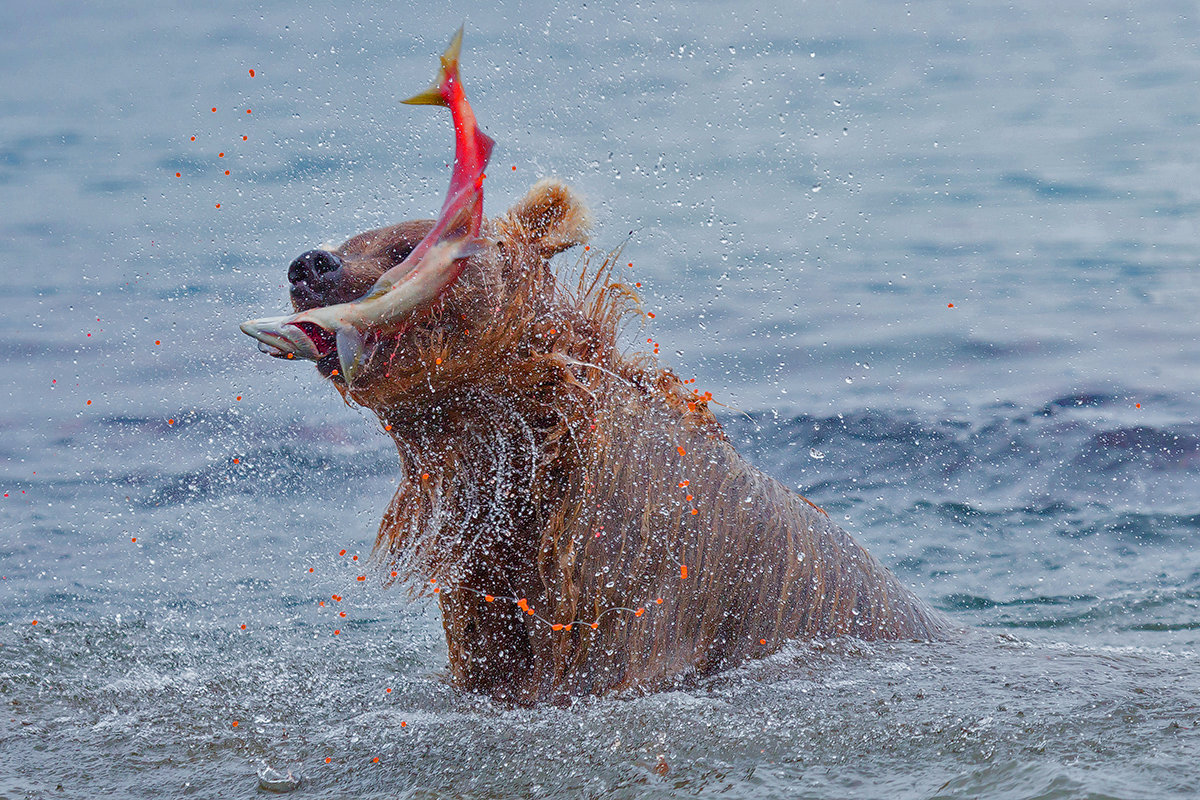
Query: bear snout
(316, 278)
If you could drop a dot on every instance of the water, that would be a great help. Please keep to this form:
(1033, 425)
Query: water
(809, 188)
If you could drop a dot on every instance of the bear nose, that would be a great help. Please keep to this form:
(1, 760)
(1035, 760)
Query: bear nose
(313, 268)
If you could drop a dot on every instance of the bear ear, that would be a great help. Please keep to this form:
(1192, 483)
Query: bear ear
(551, 217)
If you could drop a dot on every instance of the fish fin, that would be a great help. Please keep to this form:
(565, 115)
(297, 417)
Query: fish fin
(475, 247)
(352, 352)
(434, 96)
(484, 143)
(458, 214)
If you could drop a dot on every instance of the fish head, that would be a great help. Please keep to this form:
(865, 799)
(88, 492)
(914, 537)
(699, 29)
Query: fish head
(291, 336)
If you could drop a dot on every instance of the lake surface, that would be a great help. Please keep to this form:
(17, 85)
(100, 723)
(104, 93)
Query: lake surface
(943, 261)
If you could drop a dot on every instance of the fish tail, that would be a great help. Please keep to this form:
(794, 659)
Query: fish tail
(437, 94)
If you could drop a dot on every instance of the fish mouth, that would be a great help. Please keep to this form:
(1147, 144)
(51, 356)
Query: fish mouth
(287, 337)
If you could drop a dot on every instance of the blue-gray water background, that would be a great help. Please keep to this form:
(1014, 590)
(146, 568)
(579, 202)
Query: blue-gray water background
(809, 186)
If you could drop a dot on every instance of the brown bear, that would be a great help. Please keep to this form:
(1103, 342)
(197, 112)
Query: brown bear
(578, 511)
